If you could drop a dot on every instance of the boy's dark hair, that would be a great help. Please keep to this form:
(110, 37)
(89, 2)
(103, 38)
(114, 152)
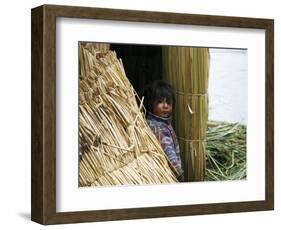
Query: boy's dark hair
(156, 92)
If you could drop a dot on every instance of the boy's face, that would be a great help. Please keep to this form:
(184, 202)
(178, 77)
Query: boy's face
(163, 108)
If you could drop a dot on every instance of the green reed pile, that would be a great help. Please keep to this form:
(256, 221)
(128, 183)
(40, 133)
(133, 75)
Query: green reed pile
(226, 152)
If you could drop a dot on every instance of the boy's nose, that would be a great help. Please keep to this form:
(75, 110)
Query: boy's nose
(165, 104)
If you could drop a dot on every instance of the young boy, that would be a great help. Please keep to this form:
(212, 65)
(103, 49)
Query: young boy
(159, 100)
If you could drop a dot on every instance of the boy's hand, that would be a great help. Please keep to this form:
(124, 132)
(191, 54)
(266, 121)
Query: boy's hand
(181, 178)
(180, 175)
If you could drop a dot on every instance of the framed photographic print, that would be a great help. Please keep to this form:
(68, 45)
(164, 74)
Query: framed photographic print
(137, 114)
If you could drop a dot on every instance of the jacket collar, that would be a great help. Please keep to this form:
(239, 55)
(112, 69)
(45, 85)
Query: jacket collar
(164, 119)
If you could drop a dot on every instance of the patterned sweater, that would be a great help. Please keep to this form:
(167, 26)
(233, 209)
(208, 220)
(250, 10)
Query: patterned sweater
(166, 135)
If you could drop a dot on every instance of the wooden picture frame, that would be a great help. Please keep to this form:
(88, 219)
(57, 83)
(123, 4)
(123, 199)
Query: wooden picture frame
(43, 188)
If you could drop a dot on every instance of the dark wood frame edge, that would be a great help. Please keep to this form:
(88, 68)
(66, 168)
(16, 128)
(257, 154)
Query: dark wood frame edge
(43, 110)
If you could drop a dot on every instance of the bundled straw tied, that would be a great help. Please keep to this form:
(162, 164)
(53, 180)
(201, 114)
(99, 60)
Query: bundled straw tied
(117, 146)
(187, 70)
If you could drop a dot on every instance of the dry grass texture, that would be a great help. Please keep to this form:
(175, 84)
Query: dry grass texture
(187, 70)
(117, 146)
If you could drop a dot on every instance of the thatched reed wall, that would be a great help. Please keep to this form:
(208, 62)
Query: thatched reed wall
(117, 146)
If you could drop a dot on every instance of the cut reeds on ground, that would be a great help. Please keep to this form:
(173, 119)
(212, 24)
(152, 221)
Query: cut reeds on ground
(117, 146)
(226, 151)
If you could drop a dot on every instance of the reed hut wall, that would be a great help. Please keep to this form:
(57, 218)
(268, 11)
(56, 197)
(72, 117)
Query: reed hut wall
(117, 147)
(187, 70)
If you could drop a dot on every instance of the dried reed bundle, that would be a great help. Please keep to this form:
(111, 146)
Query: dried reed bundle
(187, 70)
(117, 146)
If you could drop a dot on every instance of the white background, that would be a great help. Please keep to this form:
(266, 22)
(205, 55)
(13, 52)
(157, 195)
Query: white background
(15, 114)
(228, 85)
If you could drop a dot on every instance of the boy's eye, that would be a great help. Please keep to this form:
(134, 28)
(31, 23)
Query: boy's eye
(164, 100)
(169, 102)
(159, 101)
